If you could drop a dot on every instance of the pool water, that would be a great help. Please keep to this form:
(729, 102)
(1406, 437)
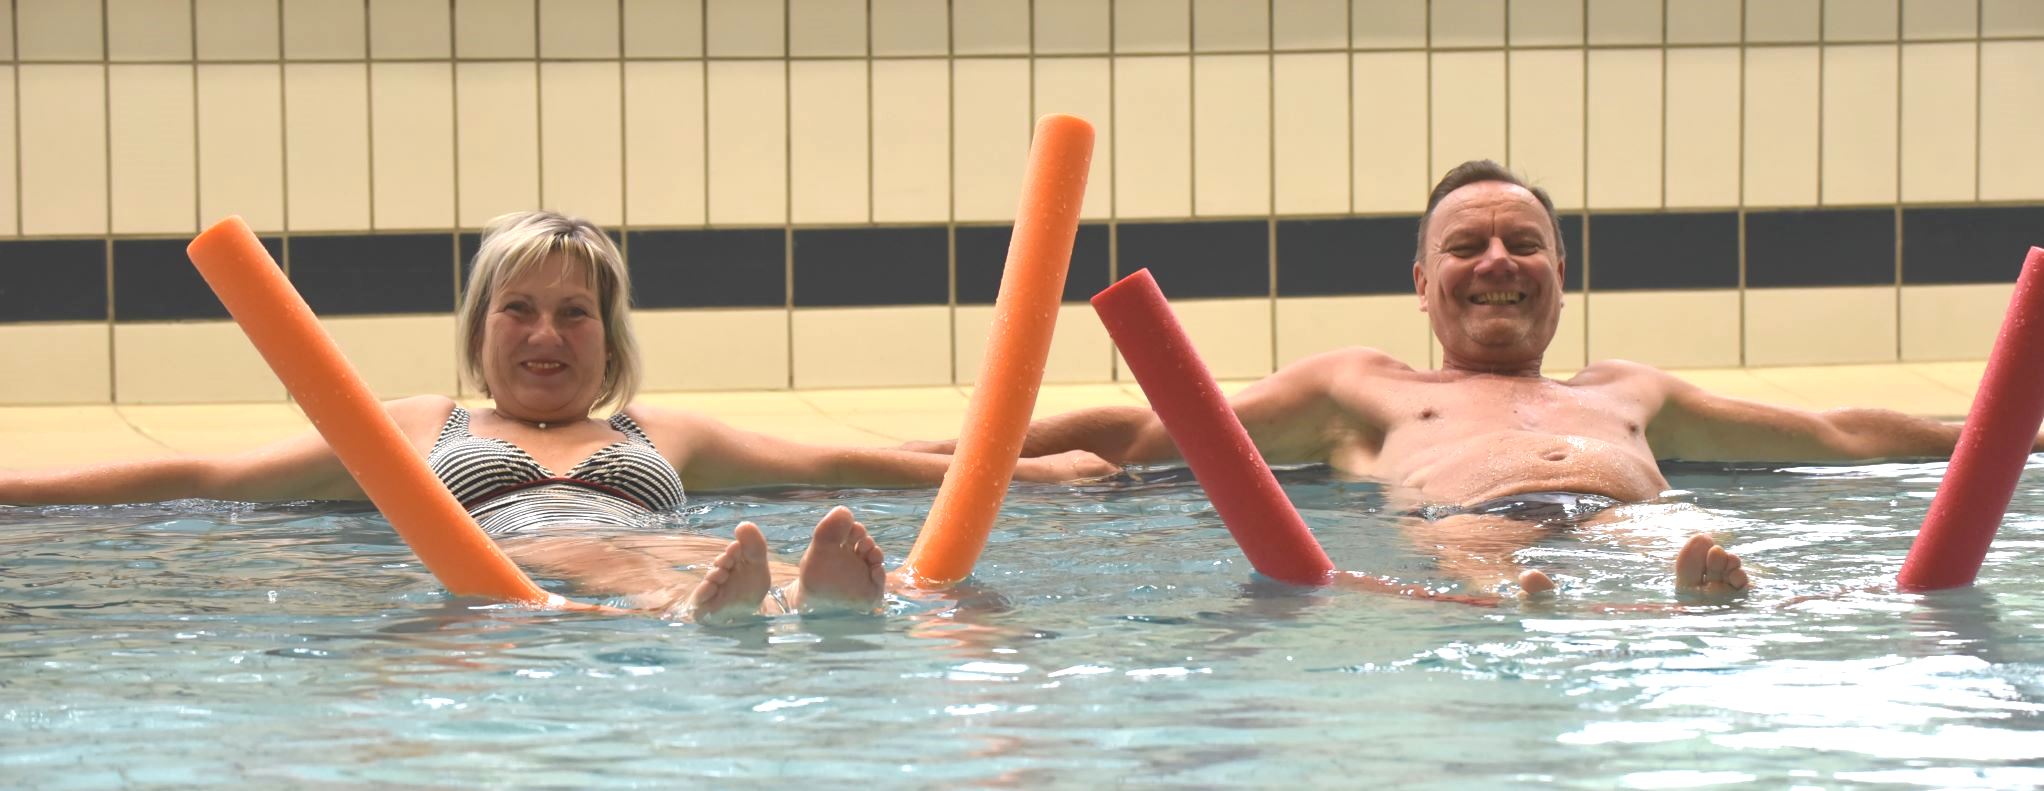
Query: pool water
(1112, 635)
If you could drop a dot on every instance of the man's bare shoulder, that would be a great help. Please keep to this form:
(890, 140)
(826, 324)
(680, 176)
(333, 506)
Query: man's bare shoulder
(1624, 372)
(1350, 361)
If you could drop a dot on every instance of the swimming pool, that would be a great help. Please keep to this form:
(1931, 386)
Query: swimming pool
(1112, 633)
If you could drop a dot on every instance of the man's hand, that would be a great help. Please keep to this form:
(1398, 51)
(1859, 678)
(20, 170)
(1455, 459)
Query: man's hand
(1071, 465)
(946, 447)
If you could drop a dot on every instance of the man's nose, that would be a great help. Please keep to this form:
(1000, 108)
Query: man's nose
(1496, 258)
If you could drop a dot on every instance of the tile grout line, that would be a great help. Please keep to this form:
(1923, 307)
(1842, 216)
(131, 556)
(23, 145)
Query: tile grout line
(787, 172)
(107, 122)
(1744, 341)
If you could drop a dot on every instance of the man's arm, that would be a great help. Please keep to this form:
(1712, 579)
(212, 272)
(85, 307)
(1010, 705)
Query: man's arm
(1698, 425)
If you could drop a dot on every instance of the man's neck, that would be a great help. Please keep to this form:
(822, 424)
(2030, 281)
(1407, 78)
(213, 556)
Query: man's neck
(1529, 369)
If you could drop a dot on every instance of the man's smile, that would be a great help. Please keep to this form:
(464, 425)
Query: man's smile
(1497, 297)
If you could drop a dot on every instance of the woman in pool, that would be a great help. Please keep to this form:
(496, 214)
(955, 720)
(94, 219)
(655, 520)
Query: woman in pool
(544, 328)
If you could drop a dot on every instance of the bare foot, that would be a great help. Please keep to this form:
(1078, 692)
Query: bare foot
(1705, 567)
(737, 581)
(842, 570)
(1534, 583)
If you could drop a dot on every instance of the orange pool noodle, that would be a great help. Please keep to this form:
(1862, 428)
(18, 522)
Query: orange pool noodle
(361, 433)
(1025, 312)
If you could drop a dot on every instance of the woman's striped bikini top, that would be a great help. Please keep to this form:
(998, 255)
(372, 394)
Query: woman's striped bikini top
(508, 491)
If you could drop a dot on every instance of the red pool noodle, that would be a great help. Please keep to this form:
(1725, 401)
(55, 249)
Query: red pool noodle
(2000, 432)
(1185, 397)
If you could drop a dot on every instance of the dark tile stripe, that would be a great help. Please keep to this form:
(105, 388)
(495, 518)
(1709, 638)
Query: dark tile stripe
(1824, 247)
(1970, 245)
(1573, 248)
(1193, 260)
(712, 268)
(53, 280)
(1348, 255)
(155, 281)
(375, 274)
(983, 254)
(848, 267)
(1643, 252)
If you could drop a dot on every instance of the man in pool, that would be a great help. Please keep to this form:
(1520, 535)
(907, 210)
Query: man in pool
(1488, 453)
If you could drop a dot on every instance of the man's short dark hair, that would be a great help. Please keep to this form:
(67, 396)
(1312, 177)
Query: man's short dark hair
(1480, 170)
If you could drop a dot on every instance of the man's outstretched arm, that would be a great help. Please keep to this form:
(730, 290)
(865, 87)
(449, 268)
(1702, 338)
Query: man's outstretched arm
(1698, 425)
(1119, 434)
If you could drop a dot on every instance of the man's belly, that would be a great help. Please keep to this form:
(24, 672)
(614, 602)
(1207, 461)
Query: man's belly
(1487, 466)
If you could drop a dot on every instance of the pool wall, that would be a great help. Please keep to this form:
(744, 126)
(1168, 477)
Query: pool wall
(813, 193)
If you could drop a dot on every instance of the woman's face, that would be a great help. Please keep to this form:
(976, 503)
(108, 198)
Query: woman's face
(543, 349)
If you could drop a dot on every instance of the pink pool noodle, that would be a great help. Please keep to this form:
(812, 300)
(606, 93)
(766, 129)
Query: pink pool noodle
(2001, 430)
(1200, 421)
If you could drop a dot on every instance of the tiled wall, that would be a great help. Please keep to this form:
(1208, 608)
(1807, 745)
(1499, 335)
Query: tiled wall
(812, 193)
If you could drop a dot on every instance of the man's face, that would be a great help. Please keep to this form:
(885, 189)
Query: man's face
(1488, 278)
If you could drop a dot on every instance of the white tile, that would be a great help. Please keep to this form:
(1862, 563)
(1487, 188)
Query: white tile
(237, 29)
(1231, 135)
(1703, 21)
(70, 361)
(1859, 146)
(1860, 20)
(911, 27)
(1923, 19)
(1783, 20)
(1703, 127)
(147, 30)
(398, 356)
(7, 35)
(325, 29)
(326, 146)
(990, 126)
(2011, 18)
(745, 28)
(1545, 22)
(1635, 325)
(664, 144)
(911, 140)
(1625, 22)
(989, 27)
(409, 29)
(1781, 126)
(62, 117)
(1152, 26)
(1230, 25)
(579, 29)
(498, 159)
(1820, 326)
(827, 141)
(1079, 350)
(8, 215)
(495, 29)
(1311, 99)
(1547, 122)
(154, 167)
(872, 347)
(189, 363)
(1953, 322)
(1079, 86)
(1390, 323)
(663, 28)
(1309, 24)
(1232, 336)
(57, 30)
(751, 352)
(1072, 26)
(241, 144)
(411, 136)
(582, 140)
(1938, 121)
(2011, 117)
(748, 138)
(1153, 141)
(1469, 23)
(1625, 129)
(1468, 108)
(1391, 171)
(1388, 24)
(827, 28)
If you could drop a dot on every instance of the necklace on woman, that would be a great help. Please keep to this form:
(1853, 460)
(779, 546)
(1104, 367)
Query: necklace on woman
(538, 424)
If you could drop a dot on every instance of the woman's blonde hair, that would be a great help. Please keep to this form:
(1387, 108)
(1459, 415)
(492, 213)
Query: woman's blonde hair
(517, 243)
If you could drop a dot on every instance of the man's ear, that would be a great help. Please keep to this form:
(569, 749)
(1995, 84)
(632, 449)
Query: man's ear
(1561, 274)
(1419, 284)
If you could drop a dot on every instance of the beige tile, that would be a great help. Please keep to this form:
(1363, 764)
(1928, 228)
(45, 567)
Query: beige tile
(411, 137)
(57, 30)
(827, 28)
(1079, 350)
(1390, 323)
(1391, 171)
(8, 215)
(1624, 129)
(241, 144)
(1956, 322)
(1938, 121)
(1388, 24)
(1703, 21)
(713, 349)
(1230, 26)
(582, 140)
(1309, 24)
(845, 402)
(325, 29)
(730, 404)
(664, 144)
(1744, 383)
(1547, 122)
(1232, 336)
(1547, 22)
(578, 28)
(1641, 326)
(990, 125)
(1781, 126)
(1860, 20)
(989, 27)
(2011, 115)
(1624, 22)
(62, 118)
(1940, 19)
(872, 347)
(1153, 141)
(1469, 106)
(148, 30)
(1079, 86)
(497, 119)
(912, 141)
(70, 362)
(1060, 398)
(237, 29)
(827, 145)
(2009, 18)
(663, 28)
(409, 29)
(399, 356)
(1703, 128)
(1859, 146)
(215, 428)
(494, 29)
(189, 363)
(7, 35)
(1231, 135)
(1152, 26)
(1820, 326)
(1311, 147)
(153, 164)
(1566, 352)
(1469, 23)
(1896, 387)
(1783, 20)
(1072, 26)
(1962, 376)
(41, 437)
(911, 27)
(748, 138)
(326, 146)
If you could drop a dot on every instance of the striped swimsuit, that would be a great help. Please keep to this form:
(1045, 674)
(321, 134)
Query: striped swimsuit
(508, 491)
